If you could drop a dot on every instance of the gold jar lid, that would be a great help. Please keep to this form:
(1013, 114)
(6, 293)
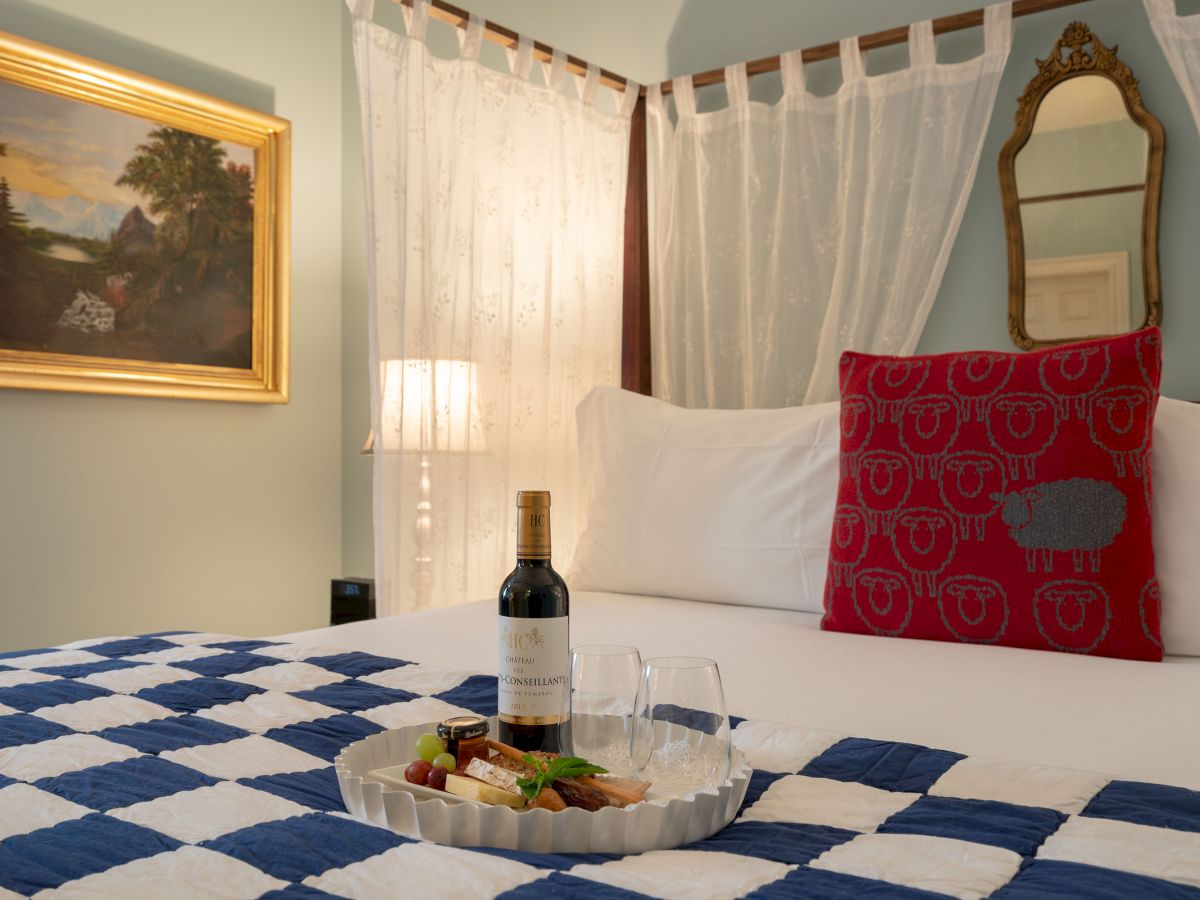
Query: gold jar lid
(462, 728)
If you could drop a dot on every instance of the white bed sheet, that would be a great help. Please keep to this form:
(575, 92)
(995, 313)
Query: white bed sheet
(1129, 719)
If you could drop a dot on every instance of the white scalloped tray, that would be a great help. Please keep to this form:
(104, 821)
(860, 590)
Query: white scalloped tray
(651, 825)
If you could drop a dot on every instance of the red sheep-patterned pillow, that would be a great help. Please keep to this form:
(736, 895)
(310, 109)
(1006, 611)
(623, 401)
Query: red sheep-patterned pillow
(1000, 498)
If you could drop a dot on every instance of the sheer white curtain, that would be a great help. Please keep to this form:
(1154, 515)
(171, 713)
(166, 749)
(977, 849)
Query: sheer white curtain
(495, 205)
(785, 234)
(1179, 37)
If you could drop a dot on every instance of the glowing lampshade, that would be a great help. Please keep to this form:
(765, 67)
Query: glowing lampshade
(431, 405)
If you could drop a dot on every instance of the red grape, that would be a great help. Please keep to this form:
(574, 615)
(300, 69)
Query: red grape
(418, 772)
(437, 778)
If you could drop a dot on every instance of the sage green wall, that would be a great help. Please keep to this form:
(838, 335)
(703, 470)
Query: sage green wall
(971, 308)
(124, 514)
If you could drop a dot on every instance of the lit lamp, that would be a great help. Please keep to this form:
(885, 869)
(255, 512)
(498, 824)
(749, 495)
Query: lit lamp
(429, 406)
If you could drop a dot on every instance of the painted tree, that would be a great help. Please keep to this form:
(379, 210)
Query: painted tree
(184, 176)
(13, 253)
(10, 216)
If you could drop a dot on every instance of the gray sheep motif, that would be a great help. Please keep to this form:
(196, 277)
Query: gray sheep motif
(1080, 515)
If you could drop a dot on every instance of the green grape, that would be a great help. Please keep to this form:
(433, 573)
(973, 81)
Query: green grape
(429, 745)
(446, 761)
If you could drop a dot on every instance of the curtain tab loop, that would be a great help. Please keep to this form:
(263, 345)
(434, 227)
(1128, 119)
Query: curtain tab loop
(997, 27)
(654, 98)
(791, 68)
(417, 20)
(470, 39)
(736, 87)
(555, 71)
(520, 61)
(852, 59)
(685, 96)
(362, 9)
(922, 51)
(588, 84)
(630, 97)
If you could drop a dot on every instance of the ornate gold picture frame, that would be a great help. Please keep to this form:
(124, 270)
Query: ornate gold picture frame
(144, 234)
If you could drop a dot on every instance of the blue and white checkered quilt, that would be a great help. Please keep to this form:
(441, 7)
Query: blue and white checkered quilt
(178, 764)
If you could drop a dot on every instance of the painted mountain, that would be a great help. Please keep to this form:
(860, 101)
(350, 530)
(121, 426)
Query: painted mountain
(71, 215)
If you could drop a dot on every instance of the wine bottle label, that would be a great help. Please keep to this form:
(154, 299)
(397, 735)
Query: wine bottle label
(533, 670)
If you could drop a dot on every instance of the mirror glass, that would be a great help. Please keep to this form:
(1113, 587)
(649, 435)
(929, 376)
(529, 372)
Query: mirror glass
(1081, 190)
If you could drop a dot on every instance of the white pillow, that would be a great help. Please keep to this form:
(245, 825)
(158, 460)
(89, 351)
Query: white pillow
(1175, 511)
(728, 506)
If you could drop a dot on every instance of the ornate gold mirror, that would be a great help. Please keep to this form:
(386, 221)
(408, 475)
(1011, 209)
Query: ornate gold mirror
(1080, 180)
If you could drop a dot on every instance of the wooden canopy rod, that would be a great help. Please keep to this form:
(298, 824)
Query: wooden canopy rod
(944, 25)
(507, 38)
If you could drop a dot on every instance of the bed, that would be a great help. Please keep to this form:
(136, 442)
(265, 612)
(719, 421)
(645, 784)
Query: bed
(189, 764)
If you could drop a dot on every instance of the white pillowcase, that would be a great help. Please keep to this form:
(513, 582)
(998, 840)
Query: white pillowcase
(728, 506)
(1175, 511)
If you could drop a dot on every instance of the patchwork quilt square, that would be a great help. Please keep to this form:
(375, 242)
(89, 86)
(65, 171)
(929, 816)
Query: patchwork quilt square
(73, 849)
(1163, 853)
(355, 695)
(295, 848)
(172, 734)
(685, 874)
(883, 764)
(821, 801)
(943, 865)
(976, 778)
(54, 692)
(1021, 829)
(25, 808)
(22, 728)
(288, 676)
(430, 870)
(186, 872)
(1147, 804)
(204, 813)
(103, 712)
(314, 788)
(267, 710)
(69, 753)
(244, 758)
(189, 695)
(360, 665)
(125, 783)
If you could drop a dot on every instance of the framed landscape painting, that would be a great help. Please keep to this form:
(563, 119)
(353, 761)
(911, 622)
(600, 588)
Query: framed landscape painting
(144, 234)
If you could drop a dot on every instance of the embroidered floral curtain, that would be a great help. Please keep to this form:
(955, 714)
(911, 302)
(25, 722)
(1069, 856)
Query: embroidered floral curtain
(786, 234)
(495, 204)
(1179, 37)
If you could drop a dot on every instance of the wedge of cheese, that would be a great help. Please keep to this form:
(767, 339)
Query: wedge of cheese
(505, 779)
(473, 789)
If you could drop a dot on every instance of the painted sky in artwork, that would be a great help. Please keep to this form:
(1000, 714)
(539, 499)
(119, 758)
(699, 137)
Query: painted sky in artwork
(60, 148)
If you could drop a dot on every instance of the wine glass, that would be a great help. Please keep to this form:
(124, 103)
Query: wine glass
(681, 737)
(604, 681)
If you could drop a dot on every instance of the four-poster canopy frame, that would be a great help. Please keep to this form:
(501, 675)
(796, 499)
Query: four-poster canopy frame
(635, 327)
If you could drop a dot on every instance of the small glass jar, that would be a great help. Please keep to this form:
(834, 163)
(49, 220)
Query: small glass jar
(465, 738)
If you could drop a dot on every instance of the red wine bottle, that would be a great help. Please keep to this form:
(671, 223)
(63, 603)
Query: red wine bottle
(534, 654)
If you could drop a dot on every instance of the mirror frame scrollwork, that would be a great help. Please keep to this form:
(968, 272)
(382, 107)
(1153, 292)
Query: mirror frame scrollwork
(1052, 71)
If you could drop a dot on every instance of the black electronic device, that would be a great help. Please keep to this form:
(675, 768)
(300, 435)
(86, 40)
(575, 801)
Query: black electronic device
(351, 600)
